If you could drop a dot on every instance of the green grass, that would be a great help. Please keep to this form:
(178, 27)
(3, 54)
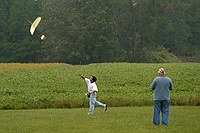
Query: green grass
(33, 86)
(183, 119)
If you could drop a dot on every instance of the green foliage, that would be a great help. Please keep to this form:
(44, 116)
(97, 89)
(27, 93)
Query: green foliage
(108, 31)
(17, 45)
(120, 84)
(88, 34)
(89, 31)
(160, 55)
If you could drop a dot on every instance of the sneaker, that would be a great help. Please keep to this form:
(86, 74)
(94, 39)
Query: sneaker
(89, 113)
(106, 107)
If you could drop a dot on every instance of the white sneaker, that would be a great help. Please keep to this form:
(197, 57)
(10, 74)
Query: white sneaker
(89, 113)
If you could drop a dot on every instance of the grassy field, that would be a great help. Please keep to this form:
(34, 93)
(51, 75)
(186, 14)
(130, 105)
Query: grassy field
(183, 119)
(36, 86)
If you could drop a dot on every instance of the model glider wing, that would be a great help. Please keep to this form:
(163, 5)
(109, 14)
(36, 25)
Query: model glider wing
(34, 25)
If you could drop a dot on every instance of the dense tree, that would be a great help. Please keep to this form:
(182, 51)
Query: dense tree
(86, 31)
(192, 20)
(16, 43)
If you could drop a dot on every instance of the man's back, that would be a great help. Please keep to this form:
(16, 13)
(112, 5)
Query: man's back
(161, 86)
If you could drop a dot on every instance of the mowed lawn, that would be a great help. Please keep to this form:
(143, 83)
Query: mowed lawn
(183, 119)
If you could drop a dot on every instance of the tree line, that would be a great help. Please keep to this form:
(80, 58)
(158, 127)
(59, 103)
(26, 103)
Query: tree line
(90, 31)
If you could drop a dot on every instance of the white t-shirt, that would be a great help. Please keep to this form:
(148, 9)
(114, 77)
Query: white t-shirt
(91, 86)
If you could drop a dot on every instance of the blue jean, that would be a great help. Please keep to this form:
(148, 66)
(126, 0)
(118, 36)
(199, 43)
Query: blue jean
(163, 107)
(94, 102)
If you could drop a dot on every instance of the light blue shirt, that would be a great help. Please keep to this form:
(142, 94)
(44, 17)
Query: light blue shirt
(161, 86)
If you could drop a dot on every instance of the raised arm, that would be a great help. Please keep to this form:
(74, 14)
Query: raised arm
(81, 76)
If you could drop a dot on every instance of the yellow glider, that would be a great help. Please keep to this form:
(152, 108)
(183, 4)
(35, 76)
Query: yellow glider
(34, 25)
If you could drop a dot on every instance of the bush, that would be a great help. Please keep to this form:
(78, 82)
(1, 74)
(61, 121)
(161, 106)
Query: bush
(160, 55)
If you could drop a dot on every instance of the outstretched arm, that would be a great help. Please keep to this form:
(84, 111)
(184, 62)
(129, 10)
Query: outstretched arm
(81, 76)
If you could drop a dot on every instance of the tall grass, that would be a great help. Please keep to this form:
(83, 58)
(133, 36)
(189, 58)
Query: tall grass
(28, 86)
(183, 119)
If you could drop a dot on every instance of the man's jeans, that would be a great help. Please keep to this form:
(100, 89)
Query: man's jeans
(163, 107)
(94, 102)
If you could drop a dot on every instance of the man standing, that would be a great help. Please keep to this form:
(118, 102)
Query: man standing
(162, 86)
(92, 90)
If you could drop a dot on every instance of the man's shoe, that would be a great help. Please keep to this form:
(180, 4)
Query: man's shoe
(106, 107)
(89, 113)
